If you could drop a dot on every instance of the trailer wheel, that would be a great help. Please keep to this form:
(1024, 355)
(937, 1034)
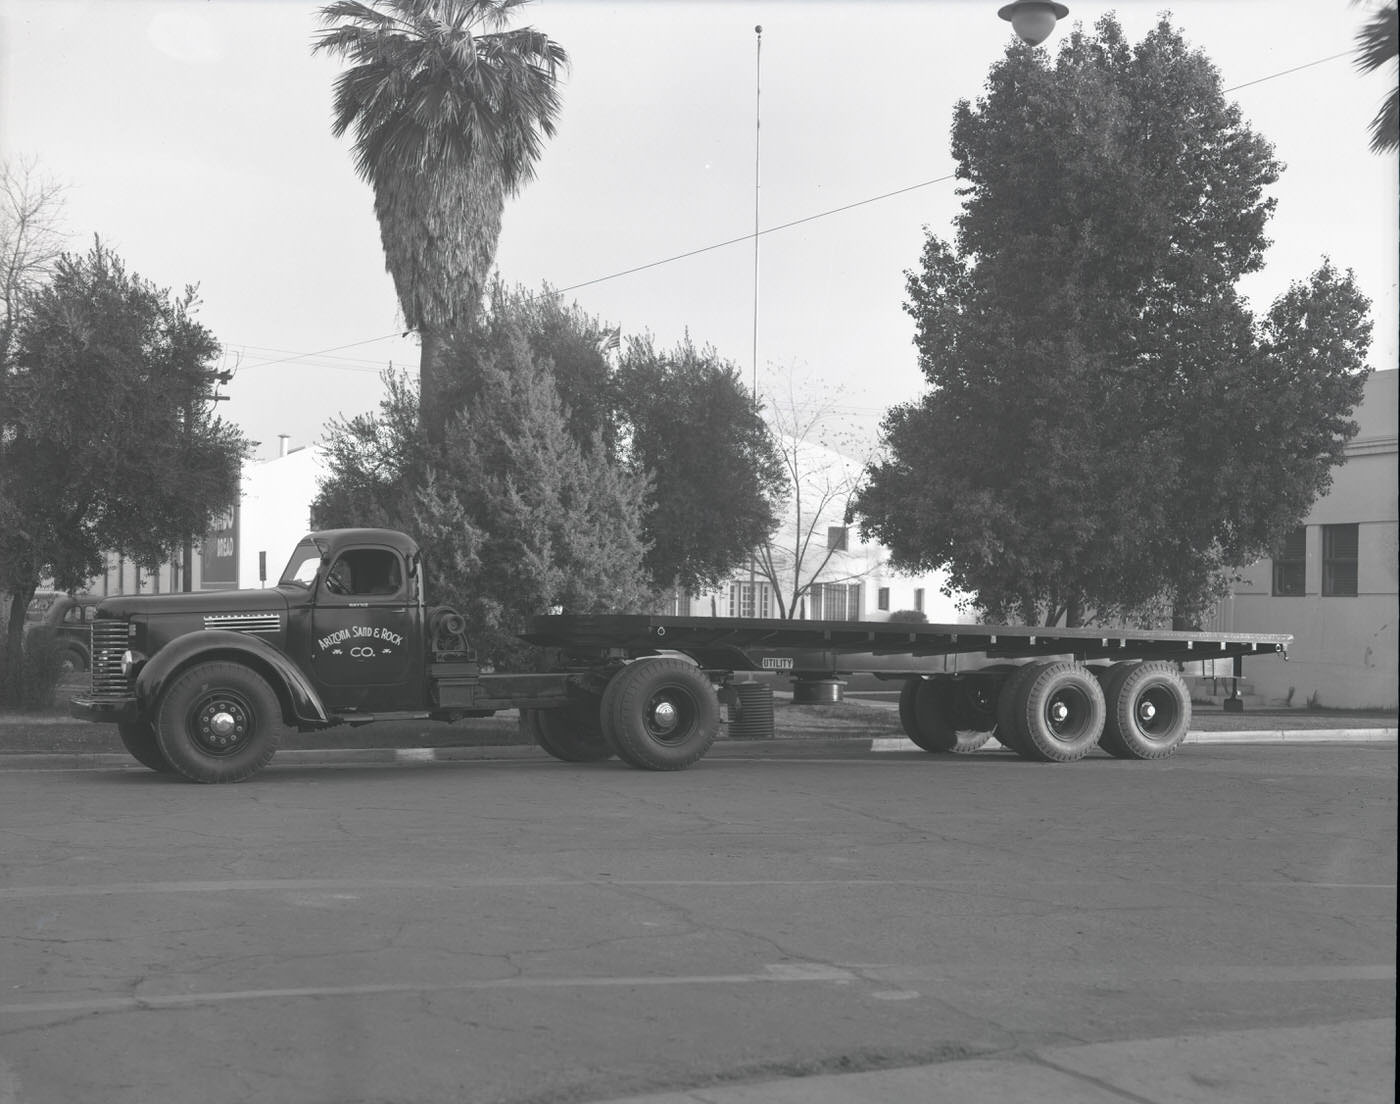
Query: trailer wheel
(660, 714)
(1009, 729)
(932, 729)
(139, 738)
(974, 713)
(907, 721)
(1149, 711)
(218, 722)
(1061, 712)
(1109, 678)
(573, 734)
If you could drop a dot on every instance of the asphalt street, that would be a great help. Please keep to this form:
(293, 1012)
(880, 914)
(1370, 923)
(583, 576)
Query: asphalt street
(771, 925)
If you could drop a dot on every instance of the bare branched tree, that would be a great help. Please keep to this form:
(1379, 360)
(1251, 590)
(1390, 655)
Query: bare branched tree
(810, 546)
(31, 207)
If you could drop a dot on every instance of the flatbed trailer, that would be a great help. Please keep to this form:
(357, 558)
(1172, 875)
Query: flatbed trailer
(1048, 693)
(199, 684)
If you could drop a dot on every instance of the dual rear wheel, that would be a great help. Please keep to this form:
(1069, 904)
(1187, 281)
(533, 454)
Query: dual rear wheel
(657, 714)
(1053, 711)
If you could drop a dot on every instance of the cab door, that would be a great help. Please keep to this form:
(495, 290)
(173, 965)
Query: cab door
(365, 649)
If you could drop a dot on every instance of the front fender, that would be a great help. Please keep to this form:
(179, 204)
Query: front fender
(299, 699)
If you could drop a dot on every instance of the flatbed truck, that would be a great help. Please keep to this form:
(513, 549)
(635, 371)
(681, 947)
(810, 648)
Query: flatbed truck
(201, 684)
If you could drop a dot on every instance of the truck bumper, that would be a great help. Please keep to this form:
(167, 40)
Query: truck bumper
(104, 710)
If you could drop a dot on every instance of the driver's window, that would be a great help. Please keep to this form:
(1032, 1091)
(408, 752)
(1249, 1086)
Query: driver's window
(366, 572)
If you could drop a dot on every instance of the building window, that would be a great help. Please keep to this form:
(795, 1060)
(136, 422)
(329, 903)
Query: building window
(675, 604)
(882, 598)
(837, 537)
(1339, 546)
(1290, 565)
(919, 599)
(835, 601)
(748, 600)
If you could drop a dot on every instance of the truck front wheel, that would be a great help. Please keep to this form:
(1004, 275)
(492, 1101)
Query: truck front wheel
(218, 722)
(660, 714)
(139, 738)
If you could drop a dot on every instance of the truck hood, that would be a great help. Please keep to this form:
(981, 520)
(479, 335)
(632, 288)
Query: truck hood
(201, 603)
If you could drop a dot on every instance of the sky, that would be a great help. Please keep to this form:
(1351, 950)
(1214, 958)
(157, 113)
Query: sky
(193, 137)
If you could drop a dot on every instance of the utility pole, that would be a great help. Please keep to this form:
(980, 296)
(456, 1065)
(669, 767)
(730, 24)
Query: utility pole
(757, 134)
(187, 558)
(757, 95)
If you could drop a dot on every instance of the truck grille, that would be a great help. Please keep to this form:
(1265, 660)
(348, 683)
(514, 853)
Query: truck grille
(244, 622)
(108, 644)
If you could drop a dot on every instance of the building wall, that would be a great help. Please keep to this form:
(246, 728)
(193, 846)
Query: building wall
(275, 512)
(1344, 653)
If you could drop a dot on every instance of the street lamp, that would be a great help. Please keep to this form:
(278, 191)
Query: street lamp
(1033, 20)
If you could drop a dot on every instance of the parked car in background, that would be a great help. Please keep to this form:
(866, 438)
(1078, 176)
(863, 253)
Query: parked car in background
(71, 619)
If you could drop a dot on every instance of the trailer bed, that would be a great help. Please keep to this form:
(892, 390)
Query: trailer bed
(877, 647)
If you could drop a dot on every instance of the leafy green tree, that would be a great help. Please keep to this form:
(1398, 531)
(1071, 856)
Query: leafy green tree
(560, 525)
(716, 471)
(577, 347)
(449, 110)
(107, 441)
(1378, 45)
(516, 517)
(1109, 431)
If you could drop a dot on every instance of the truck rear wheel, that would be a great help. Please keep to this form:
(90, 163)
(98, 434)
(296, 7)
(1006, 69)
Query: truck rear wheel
(139, 738)
(218, 722)
(1010, 730)
(660, 714)
(573, 734)
(1059, 712)
(1149, 711)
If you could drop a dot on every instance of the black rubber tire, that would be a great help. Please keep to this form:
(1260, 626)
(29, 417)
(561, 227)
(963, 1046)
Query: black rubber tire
(974, 713)
(1060, 712)
(1008, 730)
(573, 734)
(139, 738)
(933, 716)
(660, 714)
(1149, 711)
(1109, 680)
(907, 693)
(187, 729)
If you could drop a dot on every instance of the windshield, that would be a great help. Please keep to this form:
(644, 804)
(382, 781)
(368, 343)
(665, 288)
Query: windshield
(302, 567)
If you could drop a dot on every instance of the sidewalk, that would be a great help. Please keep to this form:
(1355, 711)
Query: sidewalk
(1349, 1063)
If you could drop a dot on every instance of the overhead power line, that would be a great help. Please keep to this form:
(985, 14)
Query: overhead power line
(750, 237)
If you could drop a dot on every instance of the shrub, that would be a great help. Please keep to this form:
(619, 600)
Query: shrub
(916, 616)
(31, 685)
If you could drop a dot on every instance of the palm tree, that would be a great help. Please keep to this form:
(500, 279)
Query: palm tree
(1378, 42)
(450, 111)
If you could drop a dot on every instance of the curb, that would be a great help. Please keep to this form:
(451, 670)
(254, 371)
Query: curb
(286, 757)
(1262, 736)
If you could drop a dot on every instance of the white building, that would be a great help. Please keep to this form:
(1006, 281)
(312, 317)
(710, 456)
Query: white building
(275, 512)
(824, 571)
(1334, 587)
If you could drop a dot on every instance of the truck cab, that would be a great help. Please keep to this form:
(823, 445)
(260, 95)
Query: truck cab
(355, 619)
(341, 638)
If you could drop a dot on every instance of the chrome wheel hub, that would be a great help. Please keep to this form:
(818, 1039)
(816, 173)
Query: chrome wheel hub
(664, 716)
